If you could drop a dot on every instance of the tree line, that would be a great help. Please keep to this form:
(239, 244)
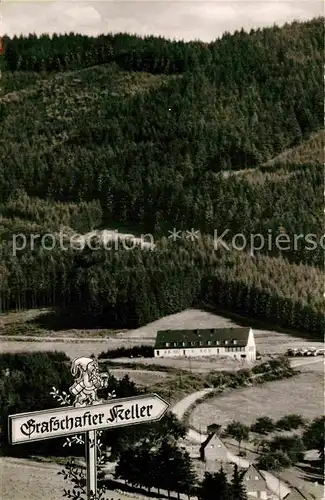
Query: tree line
(170, 468)
(129, 288)
(156, 54)
(271, 218)
(217, 486)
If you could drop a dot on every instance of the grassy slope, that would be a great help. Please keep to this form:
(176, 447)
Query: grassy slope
(310, 151)
(274, 399)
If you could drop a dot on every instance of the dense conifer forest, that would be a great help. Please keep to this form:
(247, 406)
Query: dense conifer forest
(149, 135)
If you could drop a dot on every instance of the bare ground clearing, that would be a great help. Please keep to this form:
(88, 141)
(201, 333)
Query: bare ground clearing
(21, 317)
(303, 394)
(28, 324)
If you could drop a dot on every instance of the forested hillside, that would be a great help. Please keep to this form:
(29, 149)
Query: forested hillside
(119, 131)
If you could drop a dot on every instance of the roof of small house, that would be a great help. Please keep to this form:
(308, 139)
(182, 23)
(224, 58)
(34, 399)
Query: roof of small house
(253, 476)
(299, 494)
(212, 437)
(228, 468)
(222, 335)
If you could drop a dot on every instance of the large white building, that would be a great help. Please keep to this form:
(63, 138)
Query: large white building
(238, 343)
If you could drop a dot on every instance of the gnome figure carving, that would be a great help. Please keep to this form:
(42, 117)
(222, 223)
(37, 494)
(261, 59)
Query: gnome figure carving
(88, 380)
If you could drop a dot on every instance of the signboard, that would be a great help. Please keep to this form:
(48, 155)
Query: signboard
(68, 420)
(87, 415)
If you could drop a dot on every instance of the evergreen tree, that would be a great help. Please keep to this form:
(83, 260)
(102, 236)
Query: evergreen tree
(237, 486)
(215, 487)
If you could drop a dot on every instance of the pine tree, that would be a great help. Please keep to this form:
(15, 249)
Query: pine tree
(215, 487)
(237, 487)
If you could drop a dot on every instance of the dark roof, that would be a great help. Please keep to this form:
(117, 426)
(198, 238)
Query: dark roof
(261, 479)
(228, 468)
(298, 494)
(207, 440)
(203, 335)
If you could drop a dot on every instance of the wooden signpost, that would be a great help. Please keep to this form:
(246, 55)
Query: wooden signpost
(86, 416)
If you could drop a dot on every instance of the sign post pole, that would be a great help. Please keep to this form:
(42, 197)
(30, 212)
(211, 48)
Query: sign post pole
(91, 464)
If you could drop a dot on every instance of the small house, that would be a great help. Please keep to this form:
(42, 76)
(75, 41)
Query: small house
(213, 449)
(255, 484)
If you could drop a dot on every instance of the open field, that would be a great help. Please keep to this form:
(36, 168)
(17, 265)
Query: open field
(194, 365)
(140, 377)
(190, 318)
(29, 324)
(23, 479)
(71, 348)
(309, 365)
(303, 394)
(274, 342)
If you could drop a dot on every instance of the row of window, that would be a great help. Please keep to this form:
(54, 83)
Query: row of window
(200, 343)
(229, 349)
(193, 351)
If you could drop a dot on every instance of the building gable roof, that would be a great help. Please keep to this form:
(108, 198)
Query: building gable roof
(214, 438)
(297, 494)
(252, 471)
(240, 335)
(254, 479)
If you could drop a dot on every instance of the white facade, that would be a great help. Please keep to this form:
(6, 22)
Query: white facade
(251, 346)
(247, 353)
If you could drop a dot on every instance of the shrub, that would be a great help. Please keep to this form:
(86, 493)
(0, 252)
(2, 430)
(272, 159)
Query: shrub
(313, 436)
(289, 422)
(142, 351)
(237, 431)
(274, 460)
(263, 425)
(293, 446)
